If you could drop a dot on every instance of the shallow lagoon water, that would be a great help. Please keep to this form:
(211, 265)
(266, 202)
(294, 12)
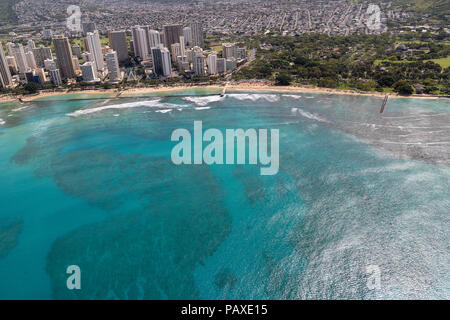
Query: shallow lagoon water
(89, 181)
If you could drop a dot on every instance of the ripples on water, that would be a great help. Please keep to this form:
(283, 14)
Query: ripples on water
(355, 189)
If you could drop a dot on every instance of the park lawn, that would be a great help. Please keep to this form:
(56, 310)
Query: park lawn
(216, 48)
(443, 62)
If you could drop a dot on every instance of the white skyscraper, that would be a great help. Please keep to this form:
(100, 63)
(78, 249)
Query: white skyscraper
(30, 45)
(30, 60)
(197, 34)
(49, 64)
(88, 72)
(154, 38)
(182, 46)
(140, 43)
(187, 33)
(112, 63)
(175, 50)
(55, 76)
(229, 50)
(5, 75)
(19, 55)
(212, 64)
(9, 47)
(94, 47)
(199, 64)
(89, 57)
(167, 66)
(12, 63)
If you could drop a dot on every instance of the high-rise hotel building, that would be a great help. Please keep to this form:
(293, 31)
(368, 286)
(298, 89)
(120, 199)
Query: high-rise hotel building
(64, 56)
(140, 42)
(94, 47)
(112, 63)
(5, 75)
(118, 41)
(197, 34)
(172, 34)
(19, 55)
(162, 66)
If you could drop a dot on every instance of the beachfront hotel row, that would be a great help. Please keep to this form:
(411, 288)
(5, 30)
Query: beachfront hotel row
(175, 51)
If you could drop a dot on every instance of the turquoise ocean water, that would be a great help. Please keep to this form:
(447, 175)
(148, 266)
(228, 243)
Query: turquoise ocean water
(87, 180)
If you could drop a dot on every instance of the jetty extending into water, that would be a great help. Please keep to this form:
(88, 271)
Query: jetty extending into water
(384, 103)
(224, 91)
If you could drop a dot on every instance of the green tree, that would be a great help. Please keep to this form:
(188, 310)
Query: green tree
(403, 87)
(283, 79)
(31, 87)
(327, 83)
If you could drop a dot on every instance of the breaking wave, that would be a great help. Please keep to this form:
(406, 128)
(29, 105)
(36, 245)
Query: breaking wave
(163, 110)
(294, 96)
(19, 109)
(311, 116)
(255, 97)
(2, 122)
(139, 104)
(203, 101)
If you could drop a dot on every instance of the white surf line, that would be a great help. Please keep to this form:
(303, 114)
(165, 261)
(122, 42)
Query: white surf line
(2, 122)
(418, 116)
(294, 96)
(420, 133)
(388, 126)
(202, 108)
(203, 101)
(139, 104)
(416, 143)
(19, 109)
(312, 116)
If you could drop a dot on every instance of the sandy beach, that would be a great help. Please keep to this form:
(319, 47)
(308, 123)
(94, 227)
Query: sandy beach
(254, 86)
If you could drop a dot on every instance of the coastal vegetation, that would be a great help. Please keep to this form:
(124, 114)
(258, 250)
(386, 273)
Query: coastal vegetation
(363, 62)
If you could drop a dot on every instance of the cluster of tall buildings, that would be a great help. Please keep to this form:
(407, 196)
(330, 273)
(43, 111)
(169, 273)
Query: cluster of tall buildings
(39, 64)
(174, 45)
(183, 47)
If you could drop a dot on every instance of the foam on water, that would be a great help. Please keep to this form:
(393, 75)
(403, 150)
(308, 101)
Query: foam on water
(2, 122)
(202, 108)
(20, 109)
(255, 97)
(163, 110)
(293, 96)
(312, 116)
(139, 104)
(203, 101)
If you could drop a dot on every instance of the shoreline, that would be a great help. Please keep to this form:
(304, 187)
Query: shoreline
(230, 87)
